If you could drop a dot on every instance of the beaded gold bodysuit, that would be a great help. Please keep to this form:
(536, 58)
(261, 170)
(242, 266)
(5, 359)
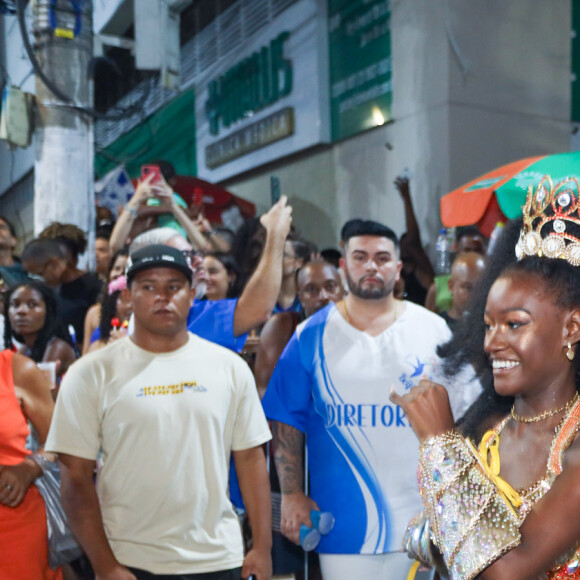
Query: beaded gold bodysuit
(471, 514)
(569, 568)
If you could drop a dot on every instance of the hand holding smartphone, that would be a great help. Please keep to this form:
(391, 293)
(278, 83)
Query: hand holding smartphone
(154, 170)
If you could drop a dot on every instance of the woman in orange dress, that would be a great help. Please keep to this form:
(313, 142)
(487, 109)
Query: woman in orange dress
(24, 395)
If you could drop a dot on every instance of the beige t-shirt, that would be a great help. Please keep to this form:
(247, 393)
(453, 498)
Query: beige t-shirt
(166, 424)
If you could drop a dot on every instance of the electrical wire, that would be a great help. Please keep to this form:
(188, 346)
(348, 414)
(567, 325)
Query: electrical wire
(7, 7)
(68, 102)
(20, 9)
(26, 76)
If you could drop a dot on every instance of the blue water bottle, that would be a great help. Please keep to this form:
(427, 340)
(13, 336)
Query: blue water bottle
(322, 523)
(309, 538)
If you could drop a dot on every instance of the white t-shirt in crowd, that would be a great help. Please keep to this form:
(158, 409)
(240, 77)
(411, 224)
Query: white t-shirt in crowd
(166, 424)
(333, 383)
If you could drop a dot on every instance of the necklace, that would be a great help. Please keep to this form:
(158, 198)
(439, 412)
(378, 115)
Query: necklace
(347, 317)
(489, 452)
(545, 414)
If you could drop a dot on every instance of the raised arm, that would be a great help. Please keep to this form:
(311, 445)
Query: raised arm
(411, 225)
(424, 269)
(289, 458)
(259, 296)
(81, 505)
(128, 216)
(165, 194)
(217, 242)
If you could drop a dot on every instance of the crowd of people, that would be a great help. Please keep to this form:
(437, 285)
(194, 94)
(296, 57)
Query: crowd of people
(213, 392)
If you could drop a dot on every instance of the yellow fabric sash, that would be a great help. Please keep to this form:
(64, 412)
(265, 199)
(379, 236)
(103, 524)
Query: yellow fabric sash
(492, 467)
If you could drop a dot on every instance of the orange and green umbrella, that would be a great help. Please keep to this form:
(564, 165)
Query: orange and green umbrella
(500, 194)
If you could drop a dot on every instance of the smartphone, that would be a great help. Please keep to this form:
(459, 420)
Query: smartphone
(274, 189)
(147, 170)
(197, 196)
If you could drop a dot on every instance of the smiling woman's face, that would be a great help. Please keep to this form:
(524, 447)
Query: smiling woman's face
(217, 278)
(525, 335)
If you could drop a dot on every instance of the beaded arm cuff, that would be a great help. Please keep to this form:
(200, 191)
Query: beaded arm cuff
(472, 522)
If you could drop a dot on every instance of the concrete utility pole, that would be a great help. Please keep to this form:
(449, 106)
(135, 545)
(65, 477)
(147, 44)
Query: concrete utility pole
(63, 172)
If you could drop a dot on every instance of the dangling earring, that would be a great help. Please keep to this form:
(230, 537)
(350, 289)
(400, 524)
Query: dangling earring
(570, 353)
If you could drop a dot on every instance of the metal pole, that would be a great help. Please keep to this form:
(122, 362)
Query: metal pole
(63, 177)
(306, 556)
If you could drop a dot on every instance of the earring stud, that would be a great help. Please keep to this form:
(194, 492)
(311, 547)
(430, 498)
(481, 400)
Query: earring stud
(570, 354)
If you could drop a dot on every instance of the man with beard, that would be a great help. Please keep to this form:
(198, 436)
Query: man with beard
(332, 385)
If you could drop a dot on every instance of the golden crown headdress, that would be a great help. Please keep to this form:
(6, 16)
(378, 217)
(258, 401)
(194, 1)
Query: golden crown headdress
(551, 221)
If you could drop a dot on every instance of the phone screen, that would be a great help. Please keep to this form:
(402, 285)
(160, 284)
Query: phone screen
(147, 170)
(274, 189)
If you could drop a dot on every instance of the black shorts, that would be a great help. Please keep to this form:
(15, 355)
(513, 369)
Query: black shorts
(234, 574)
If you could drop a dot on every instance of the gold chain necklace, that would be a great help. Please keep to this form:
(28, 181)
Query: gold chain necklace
(545, 414)
(347, 317)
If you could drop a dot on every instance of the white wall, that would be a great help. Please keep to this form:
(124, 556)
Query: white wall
(309, 184)
(475, 85)
(514, 98)
(355, 177)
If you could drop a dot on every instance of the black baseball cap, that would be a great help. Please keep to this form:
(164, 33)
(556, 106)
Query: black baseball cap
(157, 256)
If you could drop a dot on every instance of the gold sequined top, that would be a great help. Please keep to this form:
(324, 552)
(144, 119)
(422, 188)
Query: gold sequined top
(568, 568)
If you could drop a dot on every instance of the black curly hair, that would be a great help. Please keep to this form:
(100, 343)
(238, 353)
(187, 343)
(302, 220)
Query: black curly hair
(71, 238)
(465, 346)
(560, 279)
(52, 326)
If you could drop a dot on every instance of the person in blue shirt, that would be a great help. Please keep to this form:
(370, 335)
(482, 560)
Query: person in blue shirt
(227, 322)
(331, 388)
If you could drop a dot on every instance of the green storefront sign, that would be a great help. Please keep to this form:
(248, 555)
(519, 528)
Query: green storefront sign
(360, 65)
(167, 134)
(250, 85)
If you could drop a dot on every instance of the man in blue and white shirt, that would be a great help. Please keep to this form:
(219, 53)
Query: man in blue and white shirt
(332, 384)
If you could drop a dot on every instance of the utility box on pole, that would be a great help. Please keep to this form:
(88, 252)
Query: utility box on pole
(63, 171)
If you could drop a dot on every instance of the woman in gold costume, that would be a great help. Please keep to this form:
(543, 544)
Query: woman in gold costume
(501, 491)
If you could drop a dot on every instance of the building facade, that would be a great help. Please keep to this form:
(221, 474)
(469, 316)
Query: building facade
(332, 99)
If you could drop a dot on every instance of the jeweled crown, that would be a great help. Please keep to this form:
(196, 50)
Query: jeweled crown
(551, 221)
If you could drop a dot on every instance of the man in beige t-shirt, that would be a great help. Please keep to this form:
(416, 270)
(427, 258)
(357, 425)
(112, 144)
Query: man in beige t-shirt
(166, 408)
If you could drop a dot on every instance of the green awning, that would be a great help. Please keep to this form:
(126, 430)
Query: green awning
(167, 134)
